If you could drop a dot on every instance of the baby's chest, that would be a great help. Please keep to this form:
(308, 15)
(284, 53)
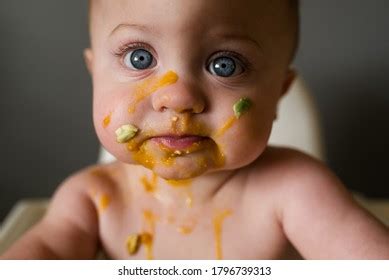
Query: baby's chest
(222, 235)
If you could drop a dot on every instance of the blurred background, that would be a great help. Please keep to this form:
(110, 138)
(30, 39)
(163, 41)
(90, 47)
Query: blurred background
(45, 92)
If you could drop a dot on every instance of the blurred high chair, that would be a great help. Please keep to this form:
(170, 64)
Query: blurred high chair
(298, 126)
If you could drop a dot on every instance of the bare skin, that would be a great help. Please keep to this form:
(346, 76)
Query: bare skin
(197, 181)
(272, 210)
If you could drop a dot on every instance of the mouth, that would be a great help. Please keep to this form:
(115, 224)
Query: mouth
(175, 142)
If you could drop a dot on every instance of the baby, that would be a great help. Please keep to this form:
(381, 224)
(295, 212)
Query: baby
(185, 94)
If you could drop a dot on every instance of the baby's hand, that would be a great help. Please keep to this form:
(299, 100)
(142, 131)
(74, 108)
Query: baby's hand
(69, 230)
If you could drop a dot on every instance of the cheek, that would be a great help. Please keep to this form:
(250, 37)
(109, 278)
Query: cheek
(110, 112)
(245, 145)
(244, 139)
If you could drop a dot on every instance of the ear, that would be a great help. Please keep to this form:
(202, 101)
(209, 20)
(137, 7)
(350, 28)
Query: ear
(88, 58)
(289, 79)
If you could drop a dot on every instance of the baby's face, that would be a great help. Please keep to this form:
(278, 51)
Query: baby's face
(169, 72)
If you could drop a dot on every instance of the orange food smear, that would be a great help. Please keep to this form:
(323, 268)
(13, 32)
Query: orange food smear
(150, 86)
(169, 160)
(168, 79)
(104, 202)
(150, 186)
(107, 120)
(143, 156)
(174, 127)
(185, 229)
(219, 158)
(185, 125)
(147, 240)
(147, 237)
(179, 183)
(132, 145)
(227, 125)
(217, 225)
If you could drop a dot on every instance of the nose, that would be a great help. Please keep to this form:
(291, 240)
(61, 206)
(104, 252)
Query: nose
(180, 97)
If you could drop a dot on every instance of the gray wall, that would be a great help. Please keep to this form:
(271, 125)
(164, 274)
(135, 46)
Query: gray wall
(45, 108)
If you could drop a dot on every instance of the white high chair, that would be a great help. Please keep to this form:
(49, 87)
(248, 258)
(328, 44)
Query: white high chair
(297, 126)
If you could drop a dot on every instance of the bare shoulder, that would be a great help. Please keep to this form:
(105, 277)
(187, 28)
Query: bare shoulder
(295, 178)
(75, 198)
(285, 168)
(283, 178)
(94, 175)
(311, 204)
(70, 227)
(304, 179)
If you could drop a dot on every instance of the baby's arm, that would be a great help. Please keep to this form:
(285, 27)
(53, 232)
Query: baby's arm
(68, 230)
(323, 221)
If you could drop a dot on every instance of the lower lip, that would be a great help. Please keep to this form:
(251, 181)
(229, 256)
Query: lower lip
(178, 143)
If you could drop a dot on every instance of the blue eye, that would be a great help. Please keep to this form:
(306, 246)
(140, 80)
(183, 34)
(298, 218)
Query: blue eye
(223, 66)
(139, 59)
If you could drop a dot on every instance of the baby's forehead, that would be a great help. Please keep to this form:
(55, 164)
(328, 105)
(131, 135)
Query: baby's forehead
(198, 11)
(174, 18)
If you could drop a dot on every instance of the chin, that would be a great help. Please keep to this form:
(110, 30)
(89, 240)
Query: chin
(180, 170)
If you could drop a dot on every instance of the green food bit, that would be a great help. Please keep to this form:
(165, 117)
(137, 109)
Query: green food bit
(125, 133)
(242, 106)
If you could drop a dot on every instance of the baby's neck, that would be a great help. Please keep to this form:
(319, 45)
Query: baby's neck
(197, 191)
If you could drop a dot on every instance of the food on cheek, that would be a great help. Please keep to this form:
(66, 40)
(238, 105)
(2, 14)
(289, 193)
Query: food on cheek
(125, 133)
(226, 126)
(241, 107)
(150, 86)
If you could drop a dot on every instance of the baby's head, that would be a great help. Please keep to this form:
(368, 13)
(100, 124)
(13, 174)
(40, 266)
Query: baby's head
(189, 87)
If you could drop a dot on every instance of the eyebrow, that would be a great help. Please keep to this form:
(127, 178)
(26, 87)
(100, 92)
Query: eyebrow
(140, 27)
(240, 37)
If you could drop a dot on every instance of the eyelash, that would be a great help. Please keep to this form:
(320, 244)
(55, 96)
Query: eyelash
(245, 63)
(124, 49)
